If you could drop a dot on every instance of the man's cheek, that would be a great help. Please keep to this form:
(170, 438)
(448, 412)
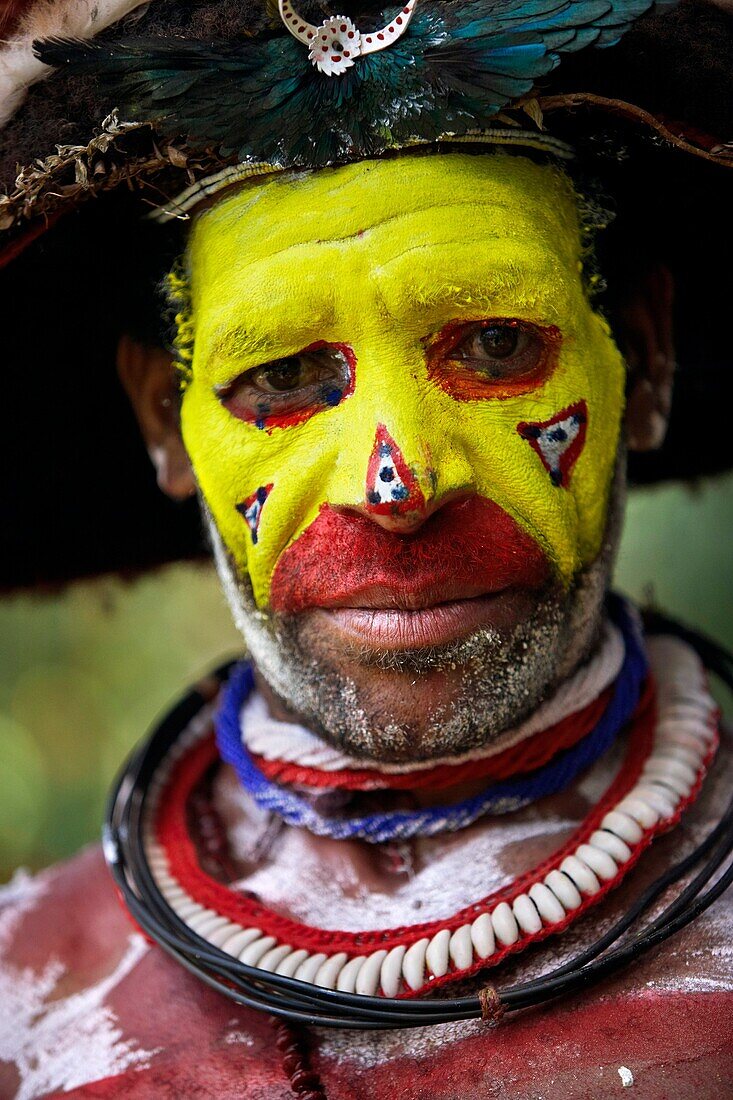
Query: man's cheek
(548, 458)
(259, 487)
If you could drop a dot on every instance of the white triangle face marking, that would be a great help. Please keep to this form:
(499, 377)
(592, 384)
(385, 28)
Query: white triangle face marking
(558, 441)
(391, 485)
(387, 486)
(251, 509)
(252, 515)
(554, 441)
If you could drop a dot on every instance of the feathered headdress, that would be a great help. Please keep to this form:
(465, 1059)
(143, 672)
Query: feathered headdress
(310, 96)
(151, 98)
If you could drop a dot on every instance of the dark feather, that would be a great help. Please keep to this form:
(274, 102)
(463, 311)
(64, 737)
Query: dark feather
(262, 99)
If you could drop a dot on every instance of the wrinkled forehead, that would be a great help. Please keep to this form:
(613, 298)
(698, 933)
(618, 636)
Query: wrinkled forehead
(379, 207)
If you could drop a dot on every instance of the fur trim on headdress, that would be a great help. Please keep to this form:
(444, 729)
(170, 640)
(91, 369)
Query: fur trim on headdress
(19, 68)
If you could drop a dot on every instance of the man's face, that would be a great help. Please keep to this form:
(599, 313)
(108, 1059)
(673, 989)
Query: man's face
(404, 420)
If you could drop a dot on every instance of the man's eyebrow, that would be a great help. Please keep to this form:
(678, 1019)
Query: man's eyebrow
(233, 343)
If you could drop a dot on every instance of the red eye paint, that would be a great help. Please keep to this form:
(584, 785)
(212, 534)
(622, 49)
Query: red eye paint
(272, 409)
(473, 378)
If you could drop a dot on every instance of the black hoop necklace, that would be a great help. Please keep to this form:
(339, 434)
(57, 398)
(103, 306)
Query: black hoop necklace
(305, 1003)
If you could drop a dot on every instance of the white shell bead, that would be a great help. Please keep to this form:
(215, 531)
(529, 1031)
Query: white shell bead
(668, 765)
(548, 906)
(505, 924)
(346, 981)
(173, 893)
(183, 902)
(667, 778)
(413, 964)
(581, 875)
(674, 751)
(224, 933)
(659, 797)
(308, 969)
(693, 743)
(640, 810)
(526, 913)
(603, 865)
(674, 763)
(239, 940)
(367, 979)
(461, 947)
(609, 842)
(252, 954)
(329, 972)
(695, 697)
(205, 926)
(622, 825)
(436, 955)
(675, 787)
(272, 958)
(188, 909)
(482, 936)
(564, 889)
(291, 963)
(694, 727)
(390, 974)
(686, 713)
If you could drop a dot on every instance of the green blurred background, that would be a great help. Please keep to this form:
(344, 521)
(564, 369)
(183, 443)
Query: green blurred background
(83, 674)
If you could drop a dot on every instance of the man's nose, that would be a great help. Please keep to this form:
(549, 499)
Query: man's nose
(393, 496)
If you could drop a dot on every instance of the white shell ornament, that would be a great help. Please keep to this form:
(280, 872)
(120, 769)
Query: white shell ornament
(335, 46)
(336, 43)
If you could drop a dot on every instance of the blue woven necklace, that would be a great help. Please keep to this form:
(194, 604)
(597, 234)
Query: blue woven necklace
(503, 797)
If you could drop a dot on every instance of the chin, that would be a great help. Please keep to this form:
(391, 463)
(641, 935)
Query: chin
(419, 683)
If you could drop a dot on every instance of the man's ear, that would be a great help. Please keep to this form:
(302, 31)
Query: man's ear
(646, 339)
(148, 378)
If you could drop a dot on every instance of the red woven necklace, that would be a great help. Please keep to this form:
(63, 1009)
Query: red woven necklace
(517, 759)
(641, 802)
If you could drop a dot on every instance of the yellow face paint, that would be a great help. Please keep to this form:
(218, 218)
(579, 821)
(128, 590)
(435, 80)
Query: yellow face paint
(381, 261)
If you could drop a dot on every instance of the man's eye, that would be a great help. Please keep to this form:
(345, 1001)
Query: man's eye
(291, 389)
(491, 342)
(294, 373)
(493, 358)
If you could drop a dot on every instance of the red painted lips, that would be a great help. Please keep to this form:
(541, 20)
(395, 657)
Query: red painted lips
(468, 548)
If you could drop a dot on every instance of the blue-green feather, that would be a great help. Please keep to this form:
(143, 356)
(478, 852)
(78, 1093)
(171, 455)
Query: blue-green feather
(453, 70)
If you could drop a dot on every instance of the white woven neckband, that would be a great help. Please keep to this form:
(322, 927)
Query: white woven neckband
(271, 739)
(182, 206)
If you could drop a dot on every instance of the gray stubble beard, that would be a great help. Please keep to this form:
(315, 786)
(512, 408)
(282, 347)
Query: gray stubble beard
(502, 677)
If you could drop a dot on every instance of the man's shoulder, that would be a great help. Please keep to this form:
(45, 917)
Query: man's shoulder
(88, 1007)
(68, 912)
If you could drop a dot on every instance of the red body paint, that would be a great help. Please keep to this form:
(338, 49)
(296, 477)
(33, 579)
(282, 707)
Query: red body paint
(268, 421)
(388, 475)
(467, 548)
(465, 382)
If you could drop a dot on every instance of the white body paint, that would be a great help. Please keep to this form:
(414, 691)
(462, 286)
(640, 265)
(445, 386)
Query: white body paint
(58, 1043)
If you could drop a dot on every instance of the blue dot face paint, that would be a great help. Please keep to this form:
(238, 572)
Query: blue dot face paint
(287, 391)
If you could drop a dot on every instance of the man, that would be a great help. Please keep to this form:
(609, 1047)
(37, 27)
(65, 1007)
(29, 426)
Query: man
(406, 420)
